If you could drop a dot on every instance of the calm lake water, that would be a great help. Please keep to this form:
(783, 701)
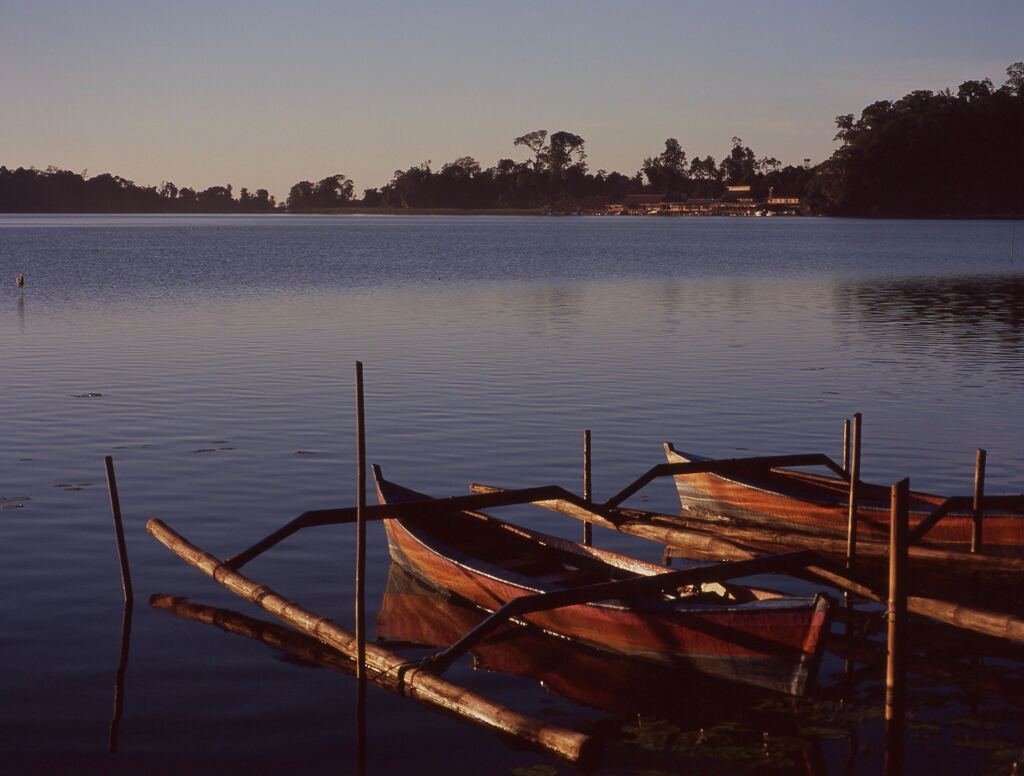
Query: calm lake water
(213, 358)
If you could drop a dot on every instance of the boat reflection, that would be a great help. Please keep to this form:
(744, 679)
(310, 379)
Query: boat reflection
(414, 613)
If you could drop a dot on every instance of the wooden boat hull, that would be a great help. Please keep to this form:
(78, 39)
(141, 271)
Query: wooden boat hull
(773, 642)
(413, 612)
(818, 504)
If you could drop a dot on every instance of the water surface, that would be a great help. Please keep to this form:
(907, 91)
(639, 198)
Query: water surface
(212, 356)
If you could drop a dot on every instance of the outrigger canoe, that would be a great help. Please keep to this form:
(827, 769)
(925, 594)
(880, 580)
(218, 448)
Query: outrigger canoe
(819, 504)
(727, 631)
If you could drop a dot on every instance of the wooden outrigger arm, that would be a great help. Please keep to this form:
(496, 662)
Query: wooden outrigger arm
(668, 582)
(427, 508)
(724, 466)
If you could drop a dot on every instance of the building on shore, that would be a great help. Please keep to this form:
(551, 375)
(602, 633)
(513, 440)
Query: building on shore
(735, 201)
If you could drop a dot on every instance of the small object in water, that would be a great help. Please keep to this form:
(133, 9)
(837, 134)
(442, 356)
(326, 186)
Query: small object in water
(20, 280)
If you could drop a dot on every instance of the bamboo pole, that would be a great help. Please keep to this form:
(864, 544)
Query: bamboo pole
(386, 668)
(977, 507)
(778, 540)
(122, 550)
(717, 535)
(588, 494)
(673, 531)
(360, 532)
(846, 445)
(896, 614)
(851, 523)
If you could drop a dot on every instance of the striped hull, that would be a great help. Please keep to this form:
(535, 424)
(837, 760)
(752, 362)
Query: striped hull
(774, 644)
(820, 505)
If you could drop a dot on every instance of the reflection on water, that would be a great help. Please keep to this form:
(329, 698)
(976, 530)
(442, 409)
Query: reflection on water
(942, 314)
(119, 680)
(489, 345)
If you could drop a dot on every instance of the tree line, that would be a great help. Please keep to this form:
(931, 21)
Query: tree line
(930, 154)
(926, 154)
(555, 174)
(28, 190)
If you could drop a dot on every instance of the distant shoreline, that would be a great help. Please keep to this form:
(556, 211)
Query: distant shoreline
(369, 211)
(416, 211)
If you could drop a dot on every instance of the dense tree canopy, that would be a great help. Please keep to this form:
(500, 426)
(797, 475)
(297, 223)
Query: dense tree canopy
(930, 154)
(926, 154)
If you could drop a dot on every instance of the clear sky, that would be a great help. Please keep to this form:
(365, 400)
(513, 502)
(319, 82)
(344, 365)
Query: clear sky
(263, 94)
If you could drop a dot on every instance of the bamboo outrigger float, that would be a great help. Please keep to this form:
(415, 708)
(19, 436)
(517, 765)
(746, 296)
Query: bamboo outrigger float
(385, 668)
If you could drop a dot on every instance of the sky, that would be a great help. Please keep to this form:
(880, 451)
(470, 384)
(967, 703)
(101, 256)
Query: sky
(264, 94)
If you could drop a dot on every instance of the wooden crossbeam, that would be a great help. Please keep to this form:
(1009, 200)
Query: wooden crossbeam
(964, 504)
(626, 588)
(438, 507)
(724, 466)
(933, 519)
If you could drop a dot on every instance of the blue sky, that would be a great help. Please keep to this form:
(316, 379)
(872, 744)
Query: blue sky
(265, 94)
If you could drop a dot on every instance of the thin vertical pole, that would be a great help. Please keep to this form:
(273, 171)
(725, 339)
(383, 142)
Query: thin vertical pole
(122, 550)
(851, 523)
(895, 690)
(122, 668)
(979, 495)
(897, 611)
(588, 529)
(846, 445)
(360, 531)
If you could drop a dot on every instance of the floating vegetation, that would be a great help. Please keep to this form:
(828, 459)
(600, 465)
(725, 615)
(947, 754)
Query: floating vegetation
(70, 486)
(727, 746)
(306, 452)
(205, 450)
(540, 769)
(13, 502)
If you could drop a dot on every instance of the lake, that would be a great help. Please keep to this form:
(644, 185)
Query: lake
(213, 358)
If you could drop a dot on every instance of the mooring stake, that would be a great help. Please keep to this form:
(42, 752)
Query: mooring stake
(846, 445)
(588, 495)
(122, 550)
(851, 524)
(978, 511)
(896, 614)
(897, 609)
(360, 532)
